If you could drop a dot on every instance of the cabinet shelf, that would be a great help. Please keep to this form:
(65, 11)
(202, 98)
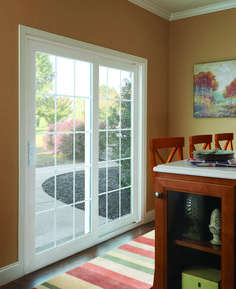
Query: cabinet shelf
(205, 246)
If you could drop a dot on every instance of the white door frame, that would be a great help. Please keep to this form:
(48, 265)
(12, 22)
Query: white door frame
(24, 34)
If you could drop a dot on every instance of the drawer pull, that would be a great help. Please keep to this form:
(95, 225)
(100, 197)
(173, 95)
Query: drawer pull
(158, 195)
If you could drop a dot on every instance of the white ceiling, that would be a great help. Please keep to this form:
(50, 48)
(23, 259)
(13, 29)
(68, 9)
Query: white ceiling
(177, 9)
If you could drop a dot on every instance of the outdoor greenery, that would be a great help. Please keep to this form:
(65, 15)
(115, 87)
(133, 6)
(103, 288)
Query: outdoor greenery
(45, 103)
(114, 141)
(114, 115)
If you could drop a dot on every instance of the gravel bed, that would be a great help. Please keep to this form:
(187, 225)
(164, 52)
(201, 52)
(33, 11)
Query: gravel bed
(64, 191)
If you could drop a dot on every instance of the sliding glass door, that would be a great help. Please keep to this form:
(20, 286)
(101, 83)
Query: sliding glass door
(80, 128)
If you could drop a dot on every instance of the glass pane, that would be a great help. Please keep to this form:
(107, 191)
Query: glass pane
(82, 78)
(102, 180)
(64, 189)
(125, 202)
(113, 83)
(80, 148)
(79, 219)
(125, 114)
(45, 144)
(113, 178)
(44, 231)
(45, 191)
(79, 186)
(125, 173)
(65, 126)
(113, 145)
(102, 209)
(65, 113)
(126, 78)
(65, 76)
(113, 114)
(125, 143)
(79, 125)
(82, 114)
(64, 225)
(45, 113)
(82, 219)
(102, 146)
(102, 113)
(45, 73)
(65, 148)
(113, 205)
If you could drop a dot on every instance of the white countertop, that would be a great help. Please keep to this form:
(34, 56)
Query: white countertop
(181, 167)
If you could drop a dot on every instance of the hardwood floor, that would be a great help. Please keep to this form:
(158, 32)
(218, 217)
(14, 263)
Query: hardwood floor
(44, 274)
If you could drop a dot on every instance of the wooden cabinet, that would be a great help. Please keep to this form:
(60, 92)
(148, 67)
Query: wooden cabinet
(173, 252)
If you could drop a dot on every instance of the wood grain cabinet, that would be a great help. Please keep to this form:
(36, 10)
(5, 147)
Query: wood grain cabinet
(174, 252)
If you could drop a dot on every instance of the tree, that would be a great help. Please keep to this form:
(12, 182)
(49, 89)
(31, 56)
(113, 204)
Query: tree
(205, 82)
(122, 120)
(45, 108)
(230, 92)
(44, 73)
(45, 103)
(113, 107)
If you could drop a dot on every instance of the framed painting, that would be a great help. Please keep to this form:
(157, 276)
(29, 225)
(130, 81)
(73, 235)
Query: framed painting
(215, 89)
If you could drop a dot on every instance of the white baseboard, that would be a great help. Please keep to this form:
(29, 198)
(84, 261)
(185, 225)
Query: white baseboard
(10, 273)
(149, 216)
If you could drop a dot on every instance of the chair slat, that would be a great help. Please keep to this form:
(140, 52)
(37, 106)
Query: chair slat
(155, 144)
(227, 137)
(204, 140)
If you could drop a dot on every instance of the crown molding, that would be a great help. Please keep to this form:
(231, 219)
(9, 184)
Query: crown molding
(153, 7)
(203, 10)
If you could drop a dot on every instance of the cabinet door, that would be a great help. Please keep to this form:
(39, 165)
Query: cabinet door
(175, 248)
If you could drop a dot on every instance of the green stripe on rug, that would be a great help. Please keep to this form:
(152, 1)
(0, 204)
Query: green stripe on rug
(135, 256)
(128, 264)
(50, 286)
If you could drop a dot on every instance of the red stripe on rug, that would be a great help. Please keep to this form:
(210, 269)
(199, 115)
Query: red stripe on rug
(146, 241)
(105, 278)
(138, 251)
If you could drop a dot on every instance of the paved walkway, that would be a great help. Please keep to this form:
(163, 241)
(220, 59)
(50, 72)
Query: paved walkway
(62, 231)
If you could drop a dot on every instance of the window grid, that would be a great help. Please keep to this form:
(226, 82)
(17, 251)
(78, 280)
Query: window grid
(119, 130)
(57, 170)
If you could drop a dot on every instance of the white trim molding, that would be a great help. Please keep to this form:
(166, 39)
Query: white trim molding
(153, 7)
(203, 10)
(10, 273)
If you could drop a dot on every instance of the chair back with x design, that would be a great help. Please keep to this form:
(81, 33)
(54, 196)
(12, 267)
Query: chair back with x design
(155, 144)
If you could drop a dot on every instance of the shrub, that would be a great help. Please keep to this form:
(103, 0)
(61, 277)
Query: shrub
(64, 139)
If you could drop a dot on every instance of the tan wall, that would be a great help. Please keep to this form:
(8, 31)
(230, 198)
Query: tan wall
(201, 39)
(115, 24)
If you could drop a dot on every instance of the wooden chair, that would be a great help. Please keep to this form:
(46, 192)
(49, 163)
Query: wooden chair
(155, 144)
(227, 137)
(206, 140)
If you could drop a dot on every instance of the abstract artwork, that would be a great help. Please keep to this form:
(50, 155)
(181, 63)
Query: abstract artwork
(215, 89)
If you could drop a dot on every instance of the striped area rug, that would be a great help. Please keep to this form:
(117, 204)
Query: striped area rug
(131, 266)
